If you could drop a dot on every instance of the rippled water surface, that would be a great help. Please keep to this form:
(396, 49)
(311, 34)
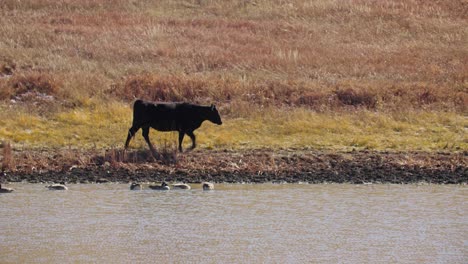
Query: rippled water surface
(235, 224)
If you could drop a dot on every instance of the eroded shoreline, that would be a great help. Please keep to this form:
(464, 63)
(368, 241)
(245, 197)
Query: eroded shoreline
(248, 166)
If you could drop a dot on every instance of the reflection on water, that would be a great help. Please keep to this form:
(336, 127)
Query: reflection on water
(235, 224)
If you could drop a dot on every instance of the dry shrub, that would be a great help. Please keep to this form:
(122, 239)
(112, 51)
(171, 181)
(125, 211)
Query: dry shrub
(114, 156)
(35, 82)
(197, 89)
(426, 96)
(216, 89)
(277, 91)
(130, 156)
(461, 101)
(8, 162)
(167, 153)
(282, 93)
(159, 88)
(7, 68)
(6, 91)
(313, 99)
(352, 97)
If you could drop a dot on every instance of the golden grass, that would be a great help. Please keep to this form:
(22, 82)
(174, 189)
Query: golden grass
(388, 74)
(106, 126)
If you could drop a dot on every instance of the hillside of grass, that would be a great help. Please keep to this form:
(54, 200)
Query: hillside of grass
(325, 74)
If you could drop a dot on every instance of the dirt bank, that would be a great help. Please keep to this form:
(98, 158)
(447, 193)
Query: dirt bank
(251, 166)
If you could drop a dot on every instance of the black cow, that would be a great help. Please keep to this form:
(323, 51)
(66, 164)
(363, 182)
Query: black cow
(182, 117)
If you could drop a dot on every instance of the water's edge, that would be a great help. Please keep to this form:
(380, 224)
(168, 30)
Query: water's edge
(250, 166)
(99, 175)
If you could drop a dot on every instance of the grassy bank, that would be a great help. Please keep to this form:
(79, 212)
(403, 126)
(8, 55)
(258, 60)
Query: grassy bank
(105, 126)
(383, 75)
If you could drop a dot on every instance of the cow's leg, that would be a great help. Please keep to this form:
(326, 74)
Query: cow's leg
(131, 133)
(192, 136)
(181, 138)
(146, 136)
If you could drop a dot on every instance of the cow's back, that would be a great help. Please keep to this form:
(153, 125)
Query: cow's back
(159, 115)
(144, 109)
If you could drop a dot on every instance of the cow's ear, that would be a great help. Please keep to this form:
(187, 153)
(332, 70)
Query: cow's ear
(213, 107)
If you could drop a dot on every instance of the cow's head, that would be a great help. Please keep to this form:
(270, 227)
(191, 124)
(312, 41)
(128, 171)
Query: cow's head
(214, 115)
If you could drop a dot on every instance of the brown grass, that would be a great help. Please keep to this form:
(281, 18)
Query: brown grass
(392, 53)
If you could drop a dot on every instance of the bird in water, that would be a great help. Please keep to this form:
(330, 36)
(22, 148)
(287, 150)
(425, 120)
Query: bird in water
(162, 187)
(135, 186)
(57, 186)
(5, 190)
(181, 186)
(208, 186)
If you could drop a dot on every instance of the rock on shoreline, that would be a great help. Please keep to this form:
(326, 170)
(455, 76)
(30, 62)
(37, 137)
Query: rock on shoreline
(248, 166)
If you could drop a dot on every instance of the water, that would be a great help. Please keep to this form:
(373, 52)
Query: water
(235, 224)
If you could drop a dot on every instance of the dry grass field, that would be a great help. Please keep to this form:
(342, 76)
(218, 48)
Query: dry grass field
(324, 74)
